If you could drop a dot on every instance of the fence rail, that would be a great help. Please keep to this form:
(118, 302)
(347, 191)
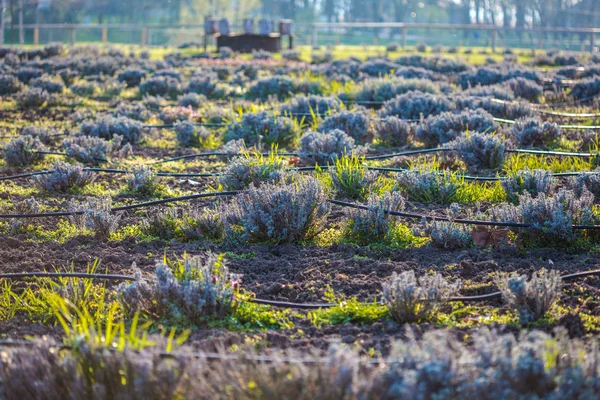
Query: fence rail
(324, 33)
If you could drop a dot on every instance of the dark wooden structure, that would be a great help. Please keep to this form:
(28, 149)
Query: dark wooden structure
(246, 42)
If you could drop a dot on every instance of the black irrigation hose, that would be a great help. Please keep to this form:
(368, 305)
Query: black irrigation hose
(173, 199)
(24, 275)
(570, 127)
(299, 169)
(458, 220)
(569, 115)
(551, 153)
(194, 124)
(273, 303)
(112, 171)
(123, 208)
(409, 153)
(18, 136)
(446, 149)
(55, 153)
(27, 175)
(209, 154)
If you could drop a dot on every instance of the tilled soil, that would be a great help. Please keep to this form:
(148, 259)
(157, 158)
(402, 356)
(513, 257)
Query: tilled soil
(304, 274)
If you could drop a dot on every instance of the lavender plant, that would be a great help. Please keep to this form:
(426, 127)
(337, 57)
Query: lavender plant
(190, 135)
(530, 298)
(9, 84)
(203, 222)
(324, 148)
(529, 181)
(411, 299)
(355, 124)
(307, 108)
(132, 76)
(447, 235)
(45, 134)
(480, 150)
(374, 91)
(143, 180)
(533, 132)
(35, 98)
(252, 169)
(64, 178)
(550, 217)
(414, 105)
(190, 292)
(427, 186)
(96, 215)
(48, 83)
(91, 150)
(525, 88)
(443, 128)
(191, 100)
(108, 127)
(282, 213)
(374, 224)
(393, 132)
(260, 128)
(23, 151)
(160, 86)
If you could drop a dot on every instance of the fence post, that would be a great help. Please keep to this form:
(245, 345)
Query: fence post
(592, 41)
(21, 33)
(314, 35)
(404, 36)
(104, 34)
(73, 35)
(36, 35)
(144, 36)
(1, 21)
(494, 39)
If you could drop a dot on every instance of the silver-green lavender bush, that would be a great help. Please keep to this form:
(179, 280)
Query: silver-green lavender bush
(528, 181)
(190, 292)
(97, 216)
(427, 186)
(530, 298)
(284, 213)
(63, 178)
(480, 150)
(411, 299)
(374, 223)
(323, 148)
(23, 151)
(447, 235)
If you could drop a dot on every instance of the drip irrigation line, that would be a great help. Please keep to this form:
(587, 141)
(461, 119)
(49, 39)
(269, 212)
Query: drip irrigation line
(569, 127)
(446, 149)
(56, 153)
(197, 155)
(123, 208)
(272, 303)
(174, 199)
(569, 115)
(27, 175)
(298, 169)
(409, 153)
(457, 220)
(25, 275)
(52, 153)
(18, 136)
(165, 126)
(551, 153)
(112, 171)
